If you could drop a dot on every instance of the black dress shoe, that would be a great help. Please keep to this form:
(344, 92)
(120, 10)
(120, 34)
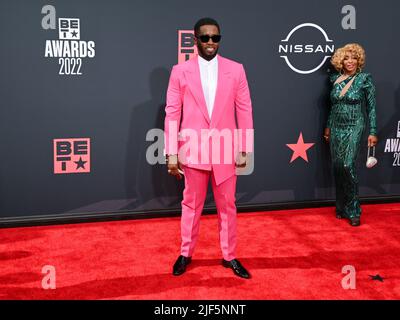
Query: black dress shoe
(180, 265)
(237, 268)
(355, 222)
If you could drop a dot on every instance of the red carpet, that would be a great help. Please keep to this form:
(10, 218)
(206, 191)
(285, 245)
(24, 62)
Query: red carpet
(292, 254)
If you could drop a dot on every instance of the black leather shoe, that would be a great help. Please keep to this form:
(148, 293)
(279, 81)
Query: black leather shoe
(180, 265)
(339, 215)
(355, 222)
(237, 268)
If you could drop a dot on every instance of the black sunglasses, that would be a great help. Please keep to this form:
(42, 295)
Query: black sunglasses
(205, 38)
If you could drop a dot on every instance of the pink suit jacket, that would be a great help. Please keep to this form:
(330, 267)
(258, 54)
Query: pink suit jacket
(187, 118)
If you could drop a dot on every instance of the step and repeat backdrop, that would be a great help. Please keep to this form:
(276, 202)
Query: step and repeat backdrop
(83, 86)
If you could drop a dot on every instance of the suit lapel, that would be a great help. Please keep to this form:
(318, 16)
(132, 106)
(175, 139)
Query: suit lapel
(221, 92)
(194, 82)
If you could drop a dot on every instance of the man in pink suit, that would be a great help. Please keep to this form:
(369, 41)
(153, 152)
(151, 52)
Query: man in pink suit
(208, 133)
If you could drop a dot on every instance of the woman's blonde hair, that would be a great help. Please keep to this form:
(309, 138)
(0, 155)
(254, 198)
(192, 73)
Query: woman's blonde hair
(340, 53)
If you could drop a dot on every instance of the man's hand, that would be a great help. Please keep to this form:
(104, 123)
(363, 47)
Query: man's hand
(241, 160)
(372, 141)
(327, 134)
(173, 166)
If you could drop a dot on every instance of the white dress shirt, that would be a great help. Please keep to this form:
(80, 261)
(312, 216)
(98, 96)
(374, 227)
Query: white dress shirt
(209, 79)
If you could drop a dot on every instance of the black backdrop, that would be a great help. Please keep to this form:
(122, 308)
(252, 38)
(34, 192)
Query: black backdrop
(120, 96)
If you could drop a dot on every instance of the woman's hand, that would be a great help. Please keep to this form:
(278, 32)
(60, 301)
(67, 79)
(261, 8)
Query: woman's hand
(327, 134)
(372, 141)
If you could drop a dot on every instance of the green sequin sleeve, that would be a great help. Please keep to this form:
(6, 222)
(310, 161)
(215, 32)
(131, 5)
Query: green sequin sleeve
(369, 89)
(332, 79)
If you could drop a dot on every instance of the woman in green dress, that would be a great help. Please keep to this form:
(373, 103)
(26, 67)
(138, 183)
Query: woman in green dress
(352, 89)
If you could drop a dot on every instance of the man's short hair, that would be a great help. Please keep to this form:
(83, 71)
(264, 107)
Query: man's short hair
(204, 22)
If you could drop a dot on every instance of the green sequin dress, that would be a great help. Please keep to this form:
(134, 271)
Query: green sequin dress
(347, 122)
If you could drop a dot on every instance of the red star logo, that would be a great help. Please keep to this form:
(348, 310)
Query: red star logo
(300, 148)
